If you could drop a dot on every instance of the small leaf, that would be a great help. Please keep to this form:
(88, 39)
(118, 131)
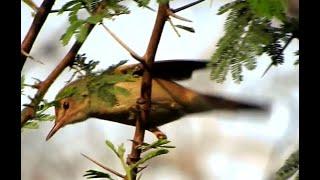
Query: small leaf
(149, 156)
(121, 150)
(90, 174)
(111, 146)
(95, 19)
(65, 38)
(68, 5)
(82, 35)
(31, 125)
(186, 28)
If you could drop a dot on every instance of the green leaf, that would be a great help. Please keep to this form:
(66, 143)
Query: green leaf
(22, 83)
(290, 167)
(83, 33)
(65, 38)
(149, 156)
(31, 125)
(68, 5)
(111, 146)
(95, 19)
(159, 143)
(142, 3)
(186, 28)
(90, 174)
(268, 8)
(121, 150)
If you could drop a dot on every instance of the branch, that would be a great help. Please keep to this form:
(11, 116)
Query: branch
(30, 111)
(170, 13)
(104, 167)
(144, 102)
(38, 21)
(186, 6)
(131, 52)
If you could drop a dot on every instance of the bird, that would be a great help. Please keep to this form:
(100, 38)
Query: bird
(93, 96)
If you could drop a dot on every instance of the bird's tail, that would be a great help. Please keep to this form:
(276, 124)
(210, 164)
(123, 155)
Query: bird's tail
(208, 102)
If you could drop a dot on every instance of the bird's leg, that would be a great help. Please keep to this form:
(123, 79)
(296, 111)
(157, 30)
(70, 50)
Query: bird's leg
(157, 132)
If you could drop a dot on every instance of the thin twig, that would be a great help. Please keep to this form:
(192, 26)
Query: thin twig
(104, 167)
(38, 21)
(174, 27)
(132, 53)
(170, 13)
(186, 6)
(31, 57)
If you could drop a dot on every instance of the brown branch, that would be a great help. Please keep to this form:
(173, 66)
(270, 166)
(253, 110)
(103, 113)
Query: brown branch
(38, 21)
(186, 6)
(144, 102)
(104, 167)
(29, 111)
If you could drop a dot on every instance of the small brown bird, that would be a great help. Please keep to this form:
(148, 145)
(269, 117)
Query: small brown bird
(112, 95)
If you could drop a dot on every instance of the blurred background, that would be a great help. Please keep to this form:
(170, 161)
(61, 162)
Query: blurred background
(214, 145)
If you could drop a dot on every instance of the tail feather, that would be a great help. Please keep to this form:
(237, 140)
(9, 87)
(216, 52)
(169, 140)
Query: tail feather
(220, 103)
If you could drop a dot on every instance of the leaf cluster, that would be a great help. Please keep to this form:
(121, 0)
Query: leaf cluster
(150, 151)
(40, 115)
(249, 32)
(97, 10)
(290, 167)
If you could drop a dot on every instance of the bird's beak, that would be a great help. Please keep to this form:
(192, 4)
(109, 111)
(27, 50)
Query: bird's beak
(55, 128)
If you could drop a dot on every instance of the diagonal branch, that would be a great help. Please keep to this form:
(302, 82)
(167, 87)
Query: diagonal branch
(38, 21)
(29, 111)
(144, 102)
(186, 6)
(104, 167)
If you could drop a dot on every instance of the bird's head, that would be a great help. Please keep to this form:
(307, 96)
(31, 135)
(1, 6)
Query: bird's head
(72, 105)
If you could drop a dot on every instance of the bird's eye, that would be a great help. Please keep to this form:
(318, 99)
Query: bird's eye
(65, 105)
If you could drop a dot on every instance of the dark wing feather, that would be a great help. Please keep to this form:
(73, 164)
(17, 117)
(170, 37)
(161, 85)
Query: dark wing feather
(168, 69)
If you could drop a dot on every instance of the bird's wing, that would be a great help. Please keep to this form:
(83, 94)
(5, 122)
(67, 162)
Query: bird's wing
(177, 69)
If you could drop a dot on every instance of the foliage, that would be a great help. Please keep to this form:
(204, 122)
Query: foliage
(150, 151)
(40, 115)
(249, 33)
(99, 83)
(290, 167)
(97, 10)
(96, 174)
(23, 85)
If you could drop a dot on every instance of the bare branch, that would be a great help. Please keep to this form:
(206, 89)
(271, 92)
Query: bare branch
(104, 167)
(38, 21)
(172, 14)
(144, 102)
(186, 6)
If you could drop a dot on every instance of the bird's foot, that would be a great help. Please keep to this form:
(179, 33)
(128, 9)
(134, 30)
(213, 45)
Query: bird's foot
(158, 133)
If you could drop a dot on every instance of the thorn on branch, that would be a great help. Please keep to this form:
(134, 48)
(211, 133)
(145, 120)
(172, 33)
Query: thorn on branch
(103, 166)
(132, 53)
(172, 14)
